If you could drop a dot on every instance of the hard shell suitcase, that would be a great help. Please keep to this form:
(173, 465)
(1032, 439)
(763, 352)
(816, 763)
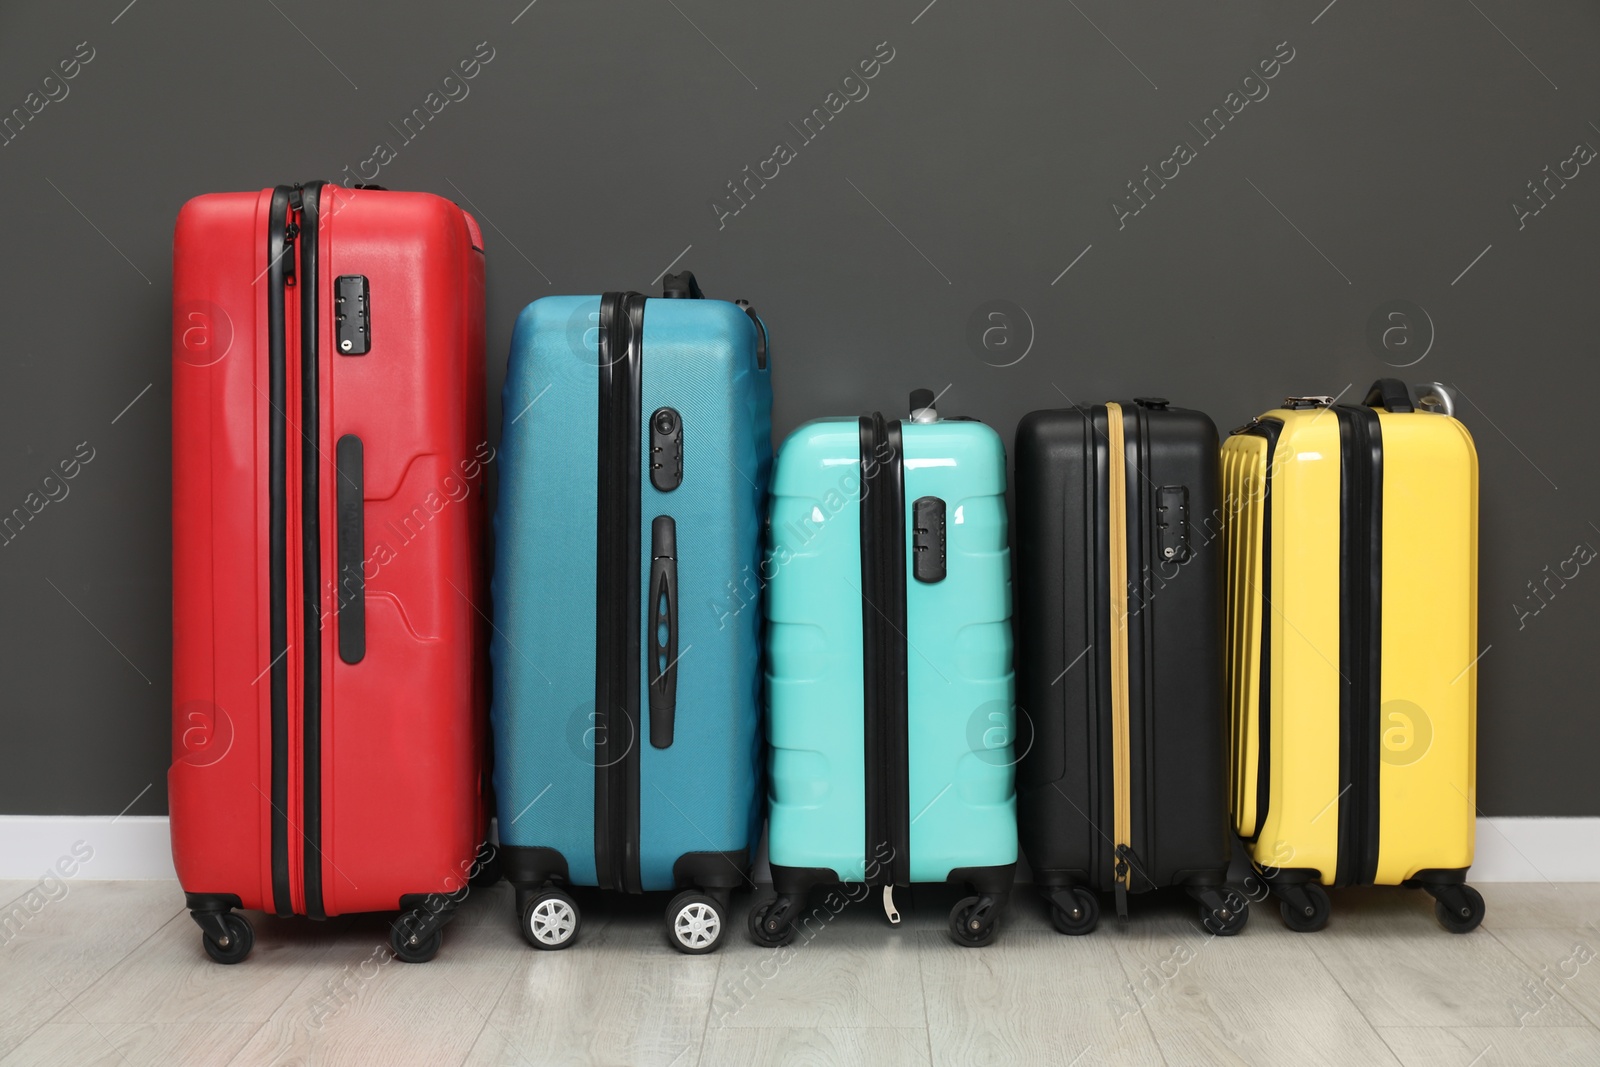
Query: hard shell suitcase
(889, 681)
(635, 458)
(1124, 785)
(1352, 647)
(329, 676)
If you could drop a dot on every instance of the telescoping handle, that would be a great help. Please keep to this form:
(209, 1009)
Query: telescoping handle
(1390, 394)
(663, 644)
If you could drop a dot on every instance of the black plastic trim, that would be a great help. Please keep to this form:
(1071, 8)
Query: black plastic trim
(1360, 640)
(1269, 429)
(712, 870)
(531, 867)
(1438, 876)
(311, 549)
(211, 901)
(1142, 851)
(1276, 876)
(797, 881)
(618, 594)
(433, 910)
(992, 881)
(1056, 879)
(351, 598)
(883, 623)
(1097, 580)
(277, 551)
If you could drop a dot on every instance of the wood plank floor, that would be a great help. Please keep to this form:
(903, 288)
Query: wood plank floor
(113, 973)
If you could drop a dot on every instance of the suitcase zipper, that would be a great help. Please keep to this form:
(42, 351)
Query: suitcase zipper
(280, 260)
(292, 250)
(1117, 579)
(305, 233)
(618, 596)
(1268, 429)
(884, 669)
(1360, 640)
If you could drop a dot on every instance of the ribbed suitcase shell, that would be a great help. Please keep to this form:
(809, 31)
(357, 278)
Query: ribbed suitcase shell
(962, 801)
(1288, 760)
(1178, 723)
(700, 794)
(403, 730)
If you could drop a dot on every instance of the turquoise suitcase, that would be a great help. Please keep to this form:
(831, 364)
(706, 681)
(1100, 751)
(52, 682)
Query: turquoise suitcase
(889, 678)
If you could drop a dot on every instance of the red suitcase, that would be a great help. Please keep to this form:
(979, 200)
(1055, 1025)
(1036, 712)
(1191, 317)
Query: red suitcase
(329, 678)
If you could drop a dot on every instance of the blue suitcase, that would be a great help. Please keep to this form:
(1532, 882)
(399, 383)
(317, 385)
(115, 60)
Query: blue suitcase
(889, 680)
(626, 649)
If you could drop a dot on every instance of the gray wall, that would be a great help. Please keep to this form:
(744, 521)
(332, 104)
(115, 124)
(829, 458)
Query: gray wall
(1381, 163)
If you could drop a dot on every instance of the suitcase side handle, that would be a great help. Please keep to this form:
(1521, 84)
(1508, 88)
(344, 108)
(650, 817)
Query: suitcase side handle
(1391, 395)
(350, 469)
(663, 644)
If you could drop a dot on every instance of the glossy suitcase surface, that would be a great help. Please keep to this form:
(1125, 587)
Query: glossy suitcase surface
(329, 675)
(1124, 786)
(889, 678)
(636, 453)
(1352, 658)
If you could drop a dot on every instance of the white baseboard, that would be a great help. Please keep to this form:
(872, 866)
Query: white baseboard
(1537, 850)
(136, 847)
(128, 848)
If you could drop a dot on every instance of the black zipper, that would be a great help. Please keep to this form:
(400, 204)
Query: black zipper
(618, 595)
(884, 662)
(1360, 639)
(1097, 461)
(308, 202)
(280, 259)
(1141, 524)
(1268, 429)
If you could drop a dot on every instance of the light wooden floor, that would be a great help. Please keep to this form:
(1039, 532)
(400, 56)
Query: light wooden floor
(113, 973)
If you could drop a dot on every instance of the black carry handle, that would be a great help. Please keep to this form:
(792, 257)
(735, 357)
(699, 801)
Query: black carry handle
(681, 286)
(351, 595)
(761, 333)
(663, 616)
(1390, 394)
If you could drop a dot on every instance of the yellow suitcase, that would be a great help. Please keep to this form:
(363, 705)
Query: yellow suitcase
(1351, 653)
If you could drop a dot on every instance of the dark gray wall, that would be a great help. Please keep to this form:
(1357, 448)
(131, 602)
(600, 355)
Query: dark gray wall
(1381, 164)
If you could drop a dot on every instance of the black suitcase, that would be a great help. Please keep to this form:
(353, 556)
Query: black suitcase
(1119, 665)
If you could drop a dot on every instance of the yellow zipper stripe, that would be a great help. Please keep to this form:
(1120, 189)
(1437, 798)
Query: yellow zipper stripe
(1117, 536)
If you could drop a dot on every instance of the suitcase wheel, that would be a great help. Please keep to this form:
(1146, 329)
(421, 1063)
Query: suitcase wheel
(695, 922)
(1460, 908)
(1074, 911)
(772, 924)
(550, 920)
(234, 940)
(1224, 910)
(974, 921)
(416, 937)
(1305, 908)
